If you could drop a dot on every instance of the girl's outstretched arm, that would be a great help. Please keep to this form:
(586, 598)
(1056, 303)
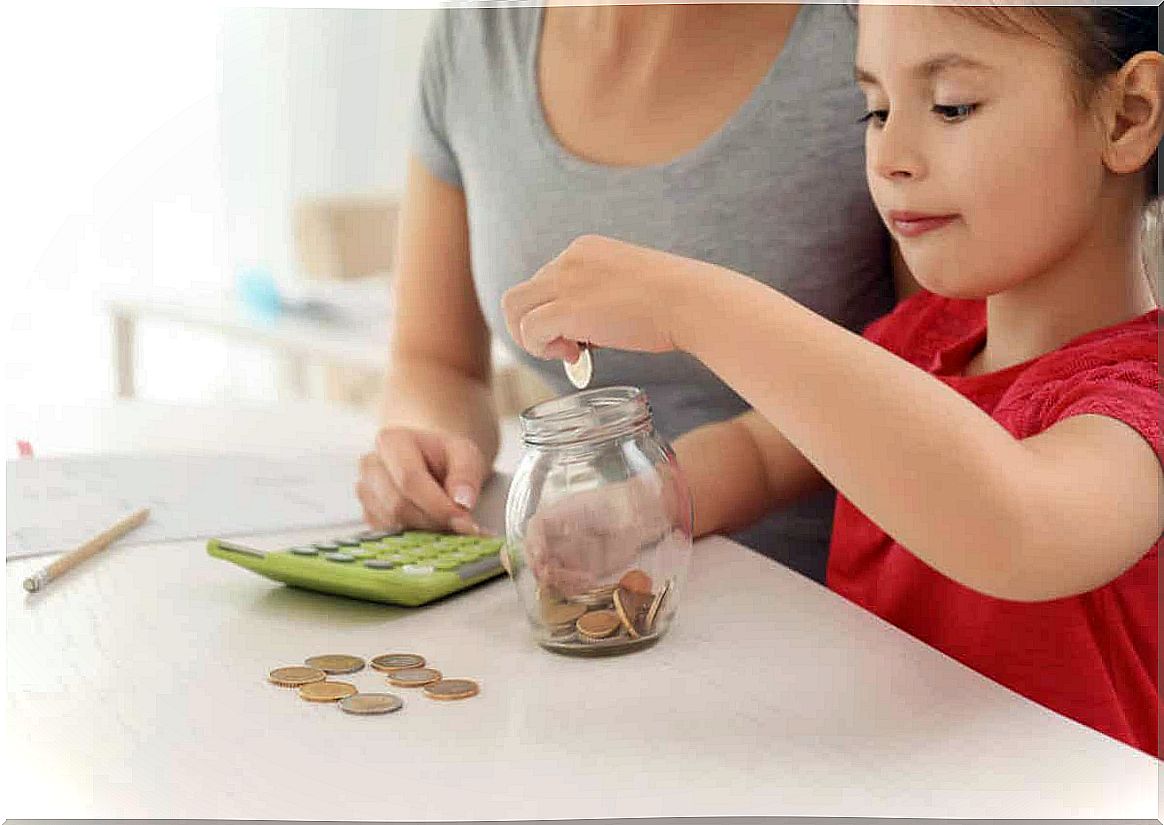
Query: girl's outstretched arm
(1041, 518)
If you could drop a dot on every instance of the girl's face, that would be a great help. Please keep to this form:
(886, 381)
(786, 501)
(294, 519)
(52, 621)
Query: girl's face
(978, 156)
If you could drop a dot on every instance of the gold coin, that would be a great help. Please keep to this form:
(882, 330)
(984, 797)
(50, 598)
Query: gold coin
(369, 703)
(656, 606)
(559, 614)
(452, 689)
(598, 624)
(326, 691)
(336, 663)
(414, 676)
(295, 675)
(389, 662)
(630, 607)
(637, 582)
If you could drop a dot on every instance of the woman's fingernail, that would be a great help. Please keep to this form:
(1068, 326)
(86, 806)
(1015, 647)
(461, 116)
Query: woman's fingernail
(464, 495)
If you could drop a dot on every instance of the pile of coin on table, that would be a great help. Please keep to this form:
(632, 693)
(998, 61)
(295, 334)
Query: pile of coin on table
(613, 617)
(402, 670)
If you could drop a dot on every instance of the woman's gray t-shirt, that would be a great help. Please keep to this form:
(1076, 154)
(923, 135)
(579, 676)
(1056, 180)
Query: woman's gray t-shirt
(778, 193)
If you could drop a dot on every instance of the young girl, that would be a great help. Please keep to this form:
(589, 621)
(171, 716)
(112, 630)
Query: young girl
(995, 439)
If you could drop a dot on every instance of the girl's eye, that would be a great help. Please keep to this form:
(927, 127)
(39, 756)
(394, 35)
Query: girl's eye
(955, 113)
(876, 116)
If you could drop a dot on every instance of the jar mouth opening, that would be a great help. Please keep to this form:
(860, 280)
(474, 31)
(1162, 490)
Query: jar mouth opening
(586, 417)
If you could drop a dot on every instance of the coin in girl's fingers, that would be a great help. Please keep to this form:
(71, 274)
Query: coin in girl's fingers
(581, 370)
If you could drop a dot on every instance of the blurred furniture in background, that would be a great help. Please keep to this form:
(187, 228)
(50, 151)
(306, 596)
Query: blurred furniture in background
(346, 237)
(351, 237)
(340, 323)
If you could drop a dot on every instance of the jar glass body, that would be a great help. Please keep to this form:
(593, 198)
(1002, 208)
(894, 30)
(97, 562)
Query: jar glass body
(598, 524)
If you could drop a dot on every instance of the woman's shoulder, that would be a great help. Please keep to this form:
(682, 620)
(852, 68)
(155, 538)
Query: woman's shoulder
(476, 33)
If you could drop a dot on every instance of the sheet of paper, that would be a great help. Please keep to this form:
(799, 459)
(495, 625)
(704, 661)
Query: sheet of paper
(56, 504)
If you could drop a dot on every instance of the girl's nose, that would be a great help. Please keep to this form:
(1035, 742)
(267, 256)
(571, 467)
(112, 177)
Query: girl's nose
(894, 153)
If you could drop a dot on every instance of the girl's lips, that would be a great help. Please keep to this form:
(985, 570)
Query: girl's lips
(912, 224)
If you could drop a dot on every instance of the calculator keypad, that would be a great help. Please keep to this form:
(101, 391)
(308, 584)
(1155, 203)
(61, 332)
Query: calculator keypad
(413, 553)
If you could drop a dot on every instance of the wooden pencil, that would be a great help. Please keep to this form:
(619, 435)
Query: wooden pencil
(94, 545)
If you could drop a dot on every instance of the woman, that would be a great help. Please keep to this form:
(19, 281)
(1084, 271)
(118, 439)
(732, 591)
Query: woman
(727, 134)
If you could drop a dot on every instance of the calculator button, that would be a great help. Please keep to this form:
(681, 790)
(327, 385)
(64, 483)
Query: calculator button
(347, 542)
(417, 569)
(305, 550)
(479, 568)
(375, 535)
(327, 546)
(336, 556)
(379, 564)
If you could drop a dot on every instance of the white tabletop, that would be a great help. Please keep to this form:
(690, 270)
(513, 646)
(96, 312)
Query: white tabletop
(136, 688)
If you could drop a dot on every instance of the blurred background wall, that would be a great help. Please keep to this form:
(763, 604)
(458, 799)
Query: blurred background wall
(165, 151)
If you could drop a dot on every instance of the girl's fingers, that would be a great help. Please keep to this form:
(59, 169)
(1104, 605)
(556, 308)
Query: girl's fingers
(564, 350)
(520, 300)
(544, 324)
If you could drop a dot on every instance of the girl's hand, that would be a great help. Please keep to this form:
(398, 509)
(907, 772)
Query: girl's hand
(604, 292)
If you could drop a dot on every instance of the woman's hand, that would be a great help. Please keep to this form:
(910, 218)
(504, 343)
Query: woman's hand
(605, 292)
(421, 479)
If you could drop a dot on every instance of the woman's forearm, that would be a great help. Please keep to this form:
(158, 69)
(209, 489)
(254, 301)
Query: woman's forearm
(924, 463)
(427, 394)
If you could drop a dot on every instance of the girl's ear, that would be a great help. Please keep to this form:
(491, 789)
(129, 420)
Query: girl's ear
(1133, 118)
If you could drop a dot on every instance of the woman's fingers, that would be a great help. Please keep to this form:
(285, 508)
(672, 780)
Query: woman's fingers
(400, 452)
(384, 506)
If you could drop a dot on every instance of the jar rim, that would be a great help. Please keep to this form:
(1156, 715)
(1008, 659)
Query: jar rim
(586, 417)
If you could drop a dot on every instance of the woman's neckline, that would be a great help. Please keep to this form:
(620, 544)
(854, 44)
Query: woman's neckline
(707, 147)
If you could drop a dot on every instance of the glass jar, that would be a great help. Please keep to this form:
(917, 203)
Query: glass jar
(598, 523)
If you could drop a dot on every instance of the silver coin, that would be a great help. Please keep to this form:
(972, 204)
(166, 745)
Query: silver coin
(368, 703)
(414, 676)
(581, 370)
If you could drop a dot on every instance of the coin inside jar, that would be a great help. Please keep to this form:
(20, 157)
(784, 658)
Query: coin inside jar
(656, 607)
(598, 624)
(630, 608)
(452, 689)
(582, 369)
(295, 676)
(336, 663)
(389, 662)
(595, 597)
(561, 613)
(371, 703)
(636, 581)
(414, 676)
(326, 691)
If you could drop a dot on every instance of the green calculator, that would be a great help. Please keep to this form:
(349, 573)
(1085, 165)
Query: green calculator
(409, 568)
